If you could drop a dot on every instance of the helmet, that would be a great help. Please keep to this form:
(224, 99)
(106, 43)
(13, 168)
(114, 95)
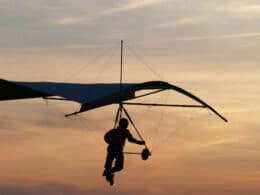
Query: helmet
(123, 123)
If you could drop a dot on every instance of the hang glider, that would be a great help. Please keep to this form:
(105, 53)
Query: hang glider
(95, 95)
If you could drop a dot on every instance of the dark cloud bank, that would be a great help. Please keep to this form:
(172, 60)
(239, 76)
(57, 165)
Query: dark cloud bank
(64, 189)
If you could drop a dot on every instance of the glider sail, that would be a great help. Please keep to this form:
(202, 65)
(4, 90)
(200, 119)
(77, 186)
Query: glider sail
(92, 96)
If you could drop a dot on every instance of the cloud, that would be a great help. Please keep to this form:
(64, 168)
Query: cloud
(51, 188)
(101, 11)
(181, 22)
(210, 37)
(68, 20)
(64, 23)
(132, 5)
(251, 8)
(54, 188)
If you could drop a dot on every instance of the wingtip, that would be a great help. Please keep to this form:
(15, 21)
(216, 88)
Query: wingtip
(71, 114)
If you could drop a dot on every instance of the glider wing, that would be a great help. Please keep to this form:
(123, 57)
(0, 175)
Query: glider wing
(91, 96)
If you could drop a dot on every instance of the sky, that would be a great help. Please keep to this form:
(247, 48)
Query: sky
(209, 48)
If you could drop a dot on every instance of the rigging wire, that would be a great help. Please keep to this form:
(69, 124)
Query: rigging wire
(106, 62)
(160, 121)
(90, 61)
(138, 57)
(57, 109)
(147, 109)
(132, 122)
(82, 124)
(93, 61)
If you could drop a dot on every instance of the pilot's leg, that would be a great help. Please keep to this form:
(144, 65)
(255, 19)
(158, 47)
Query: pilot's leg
(109, 161)
(119, 164)
(107, 172)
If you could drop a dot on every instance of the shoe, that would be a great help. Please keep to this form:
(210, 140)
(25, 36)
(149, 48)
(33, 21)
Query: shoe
(105, 172)
(110, 178)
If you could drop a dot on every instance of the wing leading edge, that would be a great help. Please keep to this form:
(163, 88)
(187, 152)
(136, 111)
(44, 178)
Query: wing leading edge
(151, 85)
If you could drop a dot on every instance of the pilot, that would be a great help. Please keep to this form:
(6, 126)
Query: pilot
(115, 139)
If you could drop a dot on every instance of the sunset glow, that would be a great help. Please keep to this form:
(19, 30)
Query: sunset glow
(210, 48)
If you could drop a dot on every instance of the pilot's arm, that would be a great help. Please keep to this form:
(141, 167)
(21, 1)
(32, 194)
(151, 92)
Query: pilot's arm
(133, 140)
